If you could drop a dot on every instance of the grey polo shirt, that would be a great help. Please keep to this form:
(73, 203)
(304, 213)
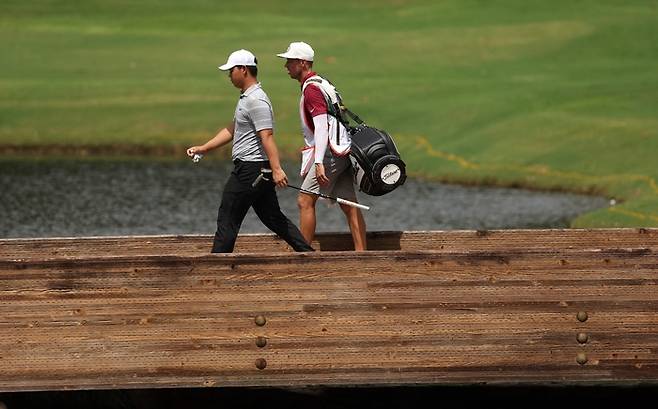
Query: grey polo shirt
(252, 114)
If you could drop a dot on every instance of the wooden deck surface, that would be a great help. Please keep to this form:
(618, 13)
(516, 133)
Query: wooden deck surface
(513, 306)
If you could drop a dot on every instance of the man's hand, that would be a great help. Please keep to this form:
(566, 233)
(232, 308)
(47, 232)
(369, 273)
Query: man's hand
(279, 177)
(194, 150)
(322, 179)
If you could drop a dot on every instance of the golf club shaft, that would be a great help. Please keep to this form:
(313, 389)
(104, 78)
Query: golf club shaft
(338, 199)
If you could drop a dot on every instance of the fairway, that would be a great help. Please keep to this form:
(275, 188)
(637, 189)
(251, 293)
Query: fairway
(557, 95)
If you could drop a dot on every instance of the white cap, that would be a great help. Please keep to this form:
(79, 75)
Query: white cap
(240, 57)
(298, 51)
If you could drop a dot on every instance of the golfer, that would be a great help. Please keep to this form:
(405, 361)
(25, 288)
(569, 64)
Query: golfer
(326, 167)
(254, 149)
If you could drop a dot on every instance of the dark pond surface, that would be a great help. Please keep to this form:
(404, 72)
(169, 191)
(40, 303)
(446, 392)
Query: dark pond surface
(85, 197)
(92, 198)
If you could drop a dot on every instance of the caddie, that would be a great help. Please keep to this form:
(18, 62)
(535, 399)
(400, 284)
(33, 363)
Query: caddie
(326, 166)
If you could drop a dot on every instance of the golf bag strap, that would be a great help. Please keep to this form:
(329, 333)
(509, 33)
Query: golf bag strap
(354, 116)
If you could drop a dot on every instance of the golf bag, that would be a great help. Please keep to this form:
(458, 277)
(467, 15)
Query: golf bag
(378, 167)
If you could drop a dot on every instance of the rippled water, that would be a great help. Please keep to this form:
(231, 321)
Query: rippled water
(94, 197)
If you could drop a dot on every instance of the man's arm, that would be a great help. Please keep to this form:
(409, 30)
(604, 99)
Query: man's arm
(224, 136)
(279, 176)
(321, 134)
(316, 106)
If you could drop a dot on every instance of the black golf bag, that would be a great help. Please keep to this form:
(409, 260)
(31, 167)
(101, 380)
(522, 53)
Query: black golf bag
(378, 168)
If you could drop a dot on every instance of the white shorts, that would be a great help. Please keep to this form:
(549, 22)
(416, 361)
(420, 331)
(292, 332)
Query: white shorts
(338, 170)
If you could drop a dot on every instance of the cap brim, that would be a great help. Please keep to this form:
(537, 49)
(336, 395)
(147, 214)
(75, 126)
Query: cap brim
(226, 67)
(293, 57)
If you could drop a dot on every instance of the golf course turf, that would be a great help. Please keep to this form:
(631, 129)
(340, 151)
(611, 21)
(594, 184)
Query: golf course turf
(559, 95)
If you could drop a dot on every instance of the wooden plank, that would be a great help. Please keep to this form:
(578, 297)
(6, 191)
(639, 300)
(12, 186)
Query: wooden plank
(195, 245)
(496, 313)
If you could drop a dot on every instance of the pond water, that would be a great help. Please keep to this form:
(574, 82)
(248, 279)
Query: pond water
(56, 198)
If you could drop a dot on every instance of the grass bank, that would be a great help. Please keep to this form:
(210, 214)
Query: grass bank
(549, 95)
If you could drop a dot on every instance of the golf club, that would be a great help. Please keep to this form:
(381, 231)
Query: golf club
(337, 199)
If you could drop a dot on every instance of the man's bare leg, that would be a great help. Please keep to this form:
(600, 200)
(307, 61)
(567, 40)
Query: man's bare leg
(357, 226)
(306, 204)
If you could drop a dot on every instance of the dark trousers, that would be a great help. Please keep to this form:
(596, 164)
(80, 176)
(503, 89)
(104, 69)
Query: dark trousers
(239, 195)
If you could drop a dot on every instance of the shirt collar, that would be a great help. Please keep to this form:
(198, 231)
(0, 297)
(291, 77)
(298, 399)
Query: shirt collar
(307, 76)
(249, 90)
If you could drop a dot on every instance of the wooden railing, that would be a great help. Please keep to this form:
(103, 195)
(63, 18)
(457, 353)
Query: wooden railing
(515, 306)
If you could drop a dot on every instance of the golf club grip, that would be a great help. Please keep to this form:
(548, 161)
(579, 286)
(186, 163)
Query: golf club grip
(353, 204)
(257, 181)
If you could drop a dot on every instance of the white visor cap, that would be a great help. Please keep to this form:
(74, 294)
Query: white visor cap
(240, 57)
(298, 51)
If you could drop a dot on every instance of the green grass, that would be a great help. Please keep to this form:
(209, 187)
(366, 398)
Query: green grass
(548, 95)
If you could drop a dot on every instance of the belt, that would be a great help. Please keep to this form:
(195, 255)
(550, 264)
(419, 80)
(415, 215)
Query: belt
(255, 162)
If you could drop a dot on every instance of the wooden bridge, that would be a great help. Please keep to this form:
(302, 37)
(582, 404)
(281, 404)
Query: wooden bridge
(512, 306)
